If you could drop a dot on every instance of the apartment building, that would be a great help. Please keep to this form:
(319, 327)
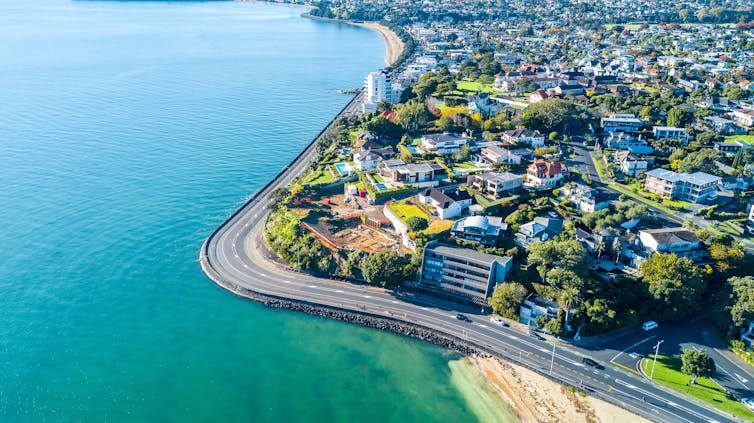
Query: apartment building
(693, 187)
(495, 185)
(461, 272)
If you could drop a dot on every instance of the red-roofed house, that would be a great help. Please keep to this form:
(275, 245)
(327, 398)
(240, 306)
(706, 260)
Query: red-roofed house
(543, 174)
(538, 96)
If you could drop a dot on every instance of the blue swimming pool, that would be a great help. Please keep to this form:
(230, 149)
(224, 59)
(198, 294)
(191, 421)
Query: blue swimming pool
(345, 152)
(343, 168)
(413, 149)
(380, 186)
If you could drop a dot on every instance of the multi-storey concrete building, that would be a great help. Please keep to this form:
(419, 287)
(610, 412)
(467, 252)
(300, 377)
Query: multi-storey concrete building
(495, 185)
(693, 187)
(462, 273)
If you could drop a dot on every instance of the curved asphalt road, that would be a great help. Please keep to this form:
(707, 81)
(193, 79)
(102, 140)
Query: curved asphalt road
(231, 258)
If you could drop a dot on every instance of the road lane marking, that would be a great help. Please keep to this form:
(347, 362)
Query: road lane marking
(741, 378)
(367, 296)
(339, 291)
(311, 286)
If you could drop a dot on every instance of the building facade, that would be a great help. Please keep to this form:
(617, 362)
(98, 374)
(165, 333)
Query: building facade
(495, 185)
(693, 187)
(461, 272)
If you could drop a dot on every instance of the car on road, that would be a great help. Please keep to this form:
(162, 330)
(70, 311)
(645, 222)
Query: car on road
(461, 317)
(591, 363)
(649, 325)
(498, 321)
(748, 402)
(536, 336)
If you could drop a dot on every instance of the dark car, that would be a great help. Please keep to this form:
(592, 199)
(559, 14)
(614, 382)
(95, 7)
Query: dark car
(592, 363)
(536, 336)
(462, 317)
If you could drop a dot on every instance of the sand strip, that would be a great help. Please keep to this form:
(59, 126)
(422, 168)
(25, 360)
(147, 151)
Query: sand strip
(393, 43)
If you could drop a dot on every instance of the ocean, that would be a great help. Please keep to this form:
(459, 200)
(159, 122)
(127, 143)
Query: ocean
(128, 132)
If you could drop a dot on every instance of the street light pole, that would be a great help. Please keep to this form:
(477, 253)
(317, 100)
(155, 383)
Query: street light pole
(657, 347)
(552, 360)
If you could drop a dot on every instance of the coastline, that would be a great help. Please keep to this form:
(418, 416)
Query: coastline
(393, 44)
(521, 390)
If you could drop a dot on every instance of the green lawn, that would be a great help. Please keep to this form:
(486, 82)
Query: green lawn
(377, 178)
(439, 226)
(749, 139)
(600, 166)
(475, 87)
(320, 176)
(678, 204)
(640, 198)
(403, 209)
(668, 373)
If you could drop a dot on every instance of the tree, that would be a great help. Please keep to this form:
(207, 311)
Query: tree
(569, 254)
(726, 257)
(601, 315)
(734, 307)
(416, 224)
(556, 325)
(384, 269)
(678, 117)
(413, 115)
(696, 363)
(702, 160)
(676, 284)
(568, 298)
(383, 128)
(507, 298)
(550, 115)
(561, 278)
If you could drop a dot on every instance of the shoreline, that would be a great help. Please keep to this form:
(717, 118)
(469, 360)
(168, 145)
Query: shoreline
(394, 46)
(480, 356)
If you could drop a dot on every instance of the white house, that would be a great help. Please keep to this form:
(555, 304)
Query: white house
(442, 144)
(366, 160)
(624, 141)
(621, 122)
(680, 241)
(448, 204)
(670, 132)
(542, 174)
(629, 163)
(586, 198)
(532, 138)
(494, 154)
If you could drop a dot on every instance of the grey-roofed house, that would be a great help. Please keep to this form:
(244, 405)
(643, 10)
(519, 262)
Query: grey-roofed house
(730, 148)
(533, 138)
(679, 241)
(495, 185)
(621, 123)
(586, 198)
(446, 204)
(483, 229)
(461, 272)
(442, 144)
(416, 174)
(539, 229)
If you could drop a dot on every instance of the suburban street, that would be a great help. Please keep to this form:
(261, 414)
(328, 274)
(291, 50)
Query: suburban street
(231, 257)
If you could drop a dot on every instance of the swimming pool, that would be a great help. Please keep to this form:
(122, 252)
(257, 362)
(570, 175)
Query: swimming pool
(343, 169)
(380, 186)
(413, 149)
(345, 152)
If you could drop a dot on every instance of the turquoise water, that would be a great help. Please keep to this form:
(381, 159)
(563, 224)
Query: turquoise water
(128, 131)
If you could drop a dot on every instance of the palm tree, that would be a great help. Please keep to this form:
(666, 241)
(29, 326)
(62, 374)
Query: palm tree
(569, 297)
(600, 247)
(617, 247)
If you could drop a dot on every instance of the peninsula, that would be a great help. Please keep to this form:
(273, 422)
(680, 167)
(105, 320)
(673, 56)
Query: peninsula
(501, 206)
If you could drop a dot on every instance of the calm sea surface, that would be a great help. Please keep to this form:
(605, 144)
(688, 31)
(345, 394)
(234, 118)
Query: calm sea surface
(128, 131)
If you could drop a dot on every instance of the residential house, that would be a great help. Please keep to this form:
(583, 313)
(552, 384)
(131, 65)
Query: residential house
(539, 229)
(495, 154)
(622, 122)
(443, 144)
(533, 138)
(483, 229)
(544, 174)
(750, 220)
(586, 198)
(744, 117)
(415, 174)
(694, 187)
(446, 204)
(535, 305)
(722, 125)
(670, 132)
(624, 141)
(461, 272)
(495, 185)
(629, 163)
(538, 95)
(365, 160)
(730, 148)
(565, 88)
(679, 241)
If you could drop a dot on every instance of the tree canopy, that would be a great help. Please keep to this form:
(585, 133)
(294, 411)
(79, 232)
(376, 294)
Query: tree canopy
(552, 114)
(676, 284)
(697, 363)
(384, 269)
(507, 298)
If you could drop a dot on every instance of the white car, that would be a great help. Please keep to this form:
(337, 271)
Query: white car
(748, 402)
(499, 321)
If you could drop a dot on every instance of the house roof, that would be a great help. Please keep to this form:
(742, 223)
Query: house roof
(524, 133)
(467, 253)
(446, 198)
(435, 139)
(671, 235)
(548, 168)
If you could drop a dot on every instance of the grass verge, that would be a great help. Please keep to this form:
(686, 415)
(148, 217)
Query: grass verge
(668, 372)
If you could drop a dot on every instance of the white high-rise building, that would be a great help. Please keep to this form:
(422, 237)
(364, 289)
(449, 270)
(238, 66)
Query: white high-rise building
(376, 88)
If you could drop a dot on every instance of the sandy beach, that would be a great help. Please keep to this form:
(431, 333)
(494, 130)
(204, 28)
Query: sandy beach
(535, 398)
(392, 42)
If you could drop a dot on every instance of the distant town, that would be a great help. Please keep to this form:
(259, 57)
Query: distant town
(577, 167)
